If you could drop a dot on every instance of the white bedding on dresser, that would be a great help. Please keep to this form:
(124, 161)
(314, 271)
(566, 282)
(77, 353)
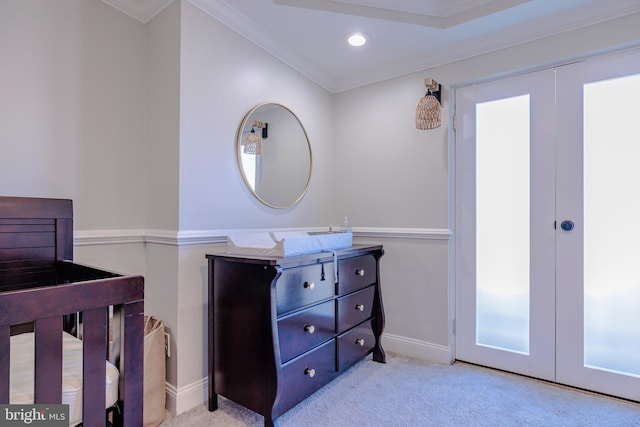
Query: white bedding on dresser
(21, 374)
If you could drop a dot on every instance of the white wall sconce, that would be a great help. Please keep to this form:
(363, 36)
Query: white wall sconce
(262, 125)
(253, 142)
(428, 111)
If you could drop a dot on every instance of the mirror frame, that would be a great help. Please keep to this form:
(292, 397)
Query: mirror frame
(239, 135)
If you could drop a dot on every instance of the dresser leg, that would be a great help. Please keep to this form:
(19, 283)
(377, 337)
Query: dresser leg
(378, 355)
(213, 402)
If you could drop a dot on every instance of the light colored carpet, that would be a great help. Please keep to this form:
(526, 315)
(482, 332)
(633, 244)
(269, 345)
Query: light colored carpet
(408, 392)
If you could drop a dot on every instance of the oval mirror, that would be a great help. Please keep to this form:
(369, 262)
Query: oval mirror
(274, 155)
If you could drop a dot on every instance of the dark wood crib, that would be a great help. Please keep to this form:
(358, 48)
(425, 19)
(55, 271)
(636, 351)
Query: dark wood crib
(43, 291)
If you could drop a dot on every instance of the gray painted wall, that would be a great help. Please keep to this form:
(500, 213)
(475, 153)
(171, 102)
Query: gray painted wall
(72, 108)
(137, 122)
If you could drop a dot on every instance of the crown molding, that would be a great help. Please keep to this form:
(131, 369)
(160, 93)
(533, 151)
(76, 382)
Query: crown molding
(256, 34)
(480, 46)
(141, 10)
(223, 11)
(435, 14)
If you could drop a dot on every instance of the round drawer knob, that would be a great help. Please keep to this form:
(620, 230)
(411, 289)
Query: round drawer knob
(309, 285)
(309, 328)
(359, 307)
(310, 372)
(360, 341)
(360, 272)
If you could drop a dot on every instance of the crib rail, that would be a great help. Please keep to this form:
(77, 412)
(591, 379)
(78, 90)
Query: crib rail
(92, 293)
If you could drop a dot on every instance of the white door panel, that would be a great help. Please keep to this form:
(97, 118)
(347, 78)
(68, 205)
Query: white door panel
(598, 271)
(504, 224)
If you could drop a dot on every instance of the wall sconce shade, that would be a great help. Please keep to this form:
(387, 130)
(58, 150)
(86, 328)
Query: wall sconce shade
(262, 125)
(253, 144)
(428, 111)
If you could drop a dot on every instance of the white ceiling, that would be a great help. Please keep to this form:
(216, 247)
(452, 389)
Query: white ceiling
(405, 35)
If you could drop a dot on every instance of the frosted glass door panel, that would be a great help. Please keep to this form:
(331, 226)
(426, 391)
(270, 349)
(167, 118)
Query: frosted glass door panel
(611, 226)
(502, 227)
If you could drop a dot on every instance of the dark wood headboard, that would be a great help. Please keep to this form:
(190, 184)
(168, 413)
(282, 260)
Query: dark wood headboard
(33, 236)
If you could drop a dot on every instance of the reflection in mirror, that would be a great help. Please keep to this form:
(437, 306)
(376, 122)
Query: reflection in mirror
(274, 155)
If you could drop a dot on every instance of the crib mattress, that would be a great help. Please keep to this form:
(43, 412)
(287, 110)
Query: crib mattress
(21, 374)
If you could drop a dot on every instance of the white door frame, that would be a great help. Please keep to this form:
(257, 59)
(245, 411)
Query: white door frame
(453, 189)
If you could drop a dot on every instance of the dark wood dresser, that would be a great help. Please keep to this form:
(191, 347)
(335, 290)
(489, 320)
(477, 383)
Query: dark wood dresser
(281, 328)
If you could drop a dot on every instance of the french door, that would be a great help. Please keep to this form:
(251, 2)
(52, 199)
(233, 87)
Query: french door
(547, 230)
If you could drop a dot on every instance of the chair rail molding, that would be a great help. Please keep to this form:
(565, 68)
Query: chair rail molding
(206, 237)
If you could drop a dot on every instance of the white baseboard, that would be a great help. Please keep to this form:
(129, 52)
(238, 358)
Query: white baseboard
(187, 397)
(172, 398)
(194, 394)
(417, 349)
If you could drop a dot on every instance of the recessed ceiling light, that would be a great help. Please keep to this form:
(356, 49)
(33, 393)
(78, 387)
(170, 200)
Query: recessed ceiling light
(357, 39)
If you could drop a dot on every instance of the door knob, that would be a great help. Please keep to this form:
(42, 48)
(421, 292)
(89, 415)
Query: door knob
(567, 225)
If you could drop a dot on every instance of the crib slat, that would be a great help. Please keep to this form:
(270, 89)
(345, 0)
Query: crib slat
(4, 363)
(132, 360)
(94, 350)
(48, 360)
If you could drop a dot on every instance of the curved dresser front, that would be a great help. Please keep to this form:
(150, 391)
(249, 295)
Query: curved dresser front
(282, 328)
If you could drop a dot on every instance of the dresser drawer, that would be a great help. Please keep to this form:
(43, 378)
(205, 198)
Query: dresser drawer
(301, 286)
(306, 374)
(356, 273)
(355, 344)
(354, 308)
(306, 329)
